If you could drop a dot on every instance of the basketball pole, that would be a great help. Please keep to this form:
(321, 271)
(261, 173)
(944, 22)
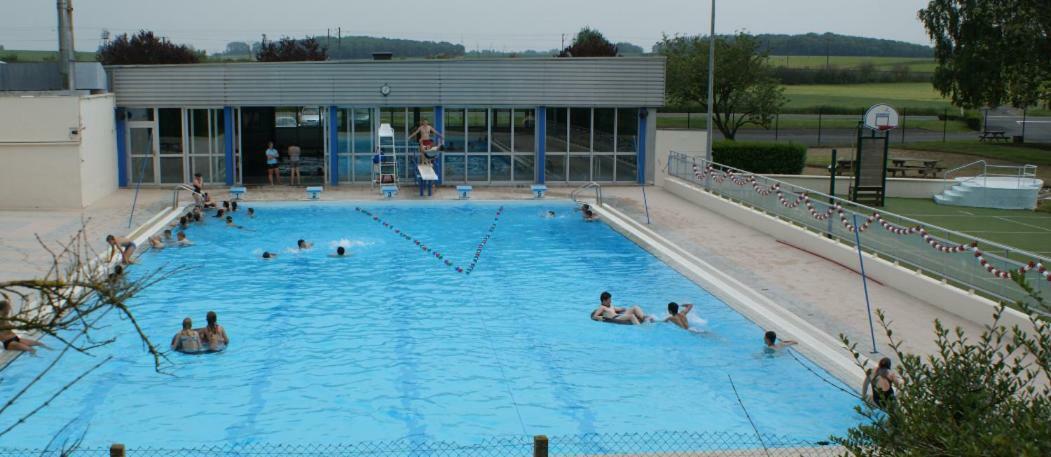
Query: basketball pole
(864, 281)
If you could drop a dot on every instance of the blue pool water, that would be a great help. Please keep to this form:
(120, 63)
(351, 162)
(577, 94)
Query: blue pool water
(391, 343)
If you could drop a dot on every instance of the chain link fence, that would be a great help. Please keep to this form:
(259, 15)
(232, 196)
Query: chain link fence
(669, 444)
(960, 259)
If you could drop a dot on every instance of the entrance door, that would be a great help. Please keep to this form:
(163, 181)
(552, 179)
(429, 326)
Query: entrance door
(142, 146)
(156, 148)
(284, 126)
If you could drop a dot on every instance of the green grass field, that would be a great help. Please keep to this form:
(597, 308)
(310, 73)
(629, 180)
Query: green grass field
(40, 56)
(1030, 154)
(917, 64)
(862, 96)
(1027, 230)
(698, 121)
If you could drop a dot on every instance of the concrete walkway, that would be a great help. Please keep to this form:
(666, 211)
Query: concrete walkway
(826, 294)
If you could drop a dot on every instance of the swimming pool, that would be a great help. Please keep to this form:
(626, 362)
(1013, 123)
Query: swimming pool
(394, 343)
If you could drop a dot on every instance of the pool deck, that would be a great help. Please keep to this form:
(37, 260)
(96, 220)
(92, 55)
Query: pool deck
(826, 294)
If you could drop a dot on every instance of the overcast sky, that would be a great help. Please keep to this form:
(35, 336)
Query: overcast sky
(485, 24)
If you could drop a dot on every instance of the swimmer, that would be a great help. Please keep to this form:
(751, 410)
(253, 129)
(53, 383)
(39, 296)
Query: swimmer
(184, 222)
(251, 212)
(678, 318)
(590, 216)
(187, 340)
(219, 213)
(607, 312)
(233, 206)
(214, 335)
(269, 255)
(167, 235)
(583, 207)
(550, 214)
(230, 223)
(770, 340)
(302, 244)
(156, 242)
(207, 202)
(182, 240)
(123, 245)
(197, 216)
(226, 206)
(11, 340)
(340, 252)
(882, 380)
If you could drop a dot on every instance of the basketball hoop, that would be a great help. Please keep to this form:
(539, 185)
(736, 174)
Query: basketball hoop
(881, 118)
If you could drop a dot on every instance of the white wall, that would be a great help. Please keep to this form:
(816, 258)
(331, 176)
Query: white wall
(56, 151)
(683, 141)
(98, 148)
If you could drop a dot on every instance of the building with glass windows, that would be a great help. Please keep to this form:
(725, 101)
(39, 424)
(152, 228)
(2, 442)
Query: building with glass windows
(504, 121)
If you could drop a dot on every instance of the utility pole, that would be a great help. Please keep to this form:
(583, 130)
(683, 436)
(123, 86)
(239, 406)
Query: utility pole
(339, 37)
(711, 84)
(66, 56)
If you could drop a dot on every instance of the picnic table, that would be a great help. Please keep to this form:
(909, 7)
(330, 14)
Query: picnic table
(993, 135)
(842, 166)
(926, 168)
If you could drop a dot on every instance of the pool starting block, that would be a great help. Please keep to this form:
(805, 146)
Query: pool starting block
(314, 191)
(539, 190)
(389, 190)
(237, 191)
(464, 191)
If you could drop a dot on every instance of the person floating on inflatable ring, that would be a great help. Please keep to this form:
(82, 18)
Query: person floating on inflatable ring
(424, 132)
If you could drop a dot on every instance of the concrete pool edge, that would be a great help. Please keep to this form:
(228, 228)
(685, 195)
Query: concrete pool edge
(821, 348)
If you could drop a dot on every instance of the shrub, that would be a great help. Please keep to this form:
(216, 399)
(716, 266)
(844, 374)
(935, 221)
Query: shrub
(970, 117)
(761, 157)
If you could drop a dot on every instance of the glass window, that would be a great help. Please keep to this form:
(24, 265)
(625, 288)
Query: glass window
(218, 168)
(580, 168)
(604, 133)
(477, 168)
(343, 136)
(454, 130)
(199, 141)
(396, 118)
(362, 167)
(477, 130)
(555, 167)
(286, 117)
(139, 114)
(142, 169)
(219, 147)
(363, 133)
(500, 168)
(454, 168)
(580, 130)
(524, 168)
(170, 125)
(603, 168)
(557, 123)
(171, 170)
(525, 131)
(501, 130)
(627, 170)
(627, 129)
(201, 164)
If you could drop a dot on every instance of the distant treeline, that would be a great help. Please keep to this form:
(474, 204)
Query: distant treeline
(362, 47)
(813, 44)
(864, 73)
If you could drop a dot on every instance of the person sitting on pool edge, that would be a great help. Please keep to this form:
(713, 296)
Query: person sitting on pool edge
(302, 244)
(606, 312)
(677, 318)
(770, 340)
(213, 335)
(187, 341)
(11, 340)
(123, 245)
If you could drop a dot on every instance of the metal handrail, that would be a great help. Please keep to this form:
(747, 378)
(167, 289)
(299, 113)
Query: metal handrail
(180, 187)
(1020, 172)
(590, 185)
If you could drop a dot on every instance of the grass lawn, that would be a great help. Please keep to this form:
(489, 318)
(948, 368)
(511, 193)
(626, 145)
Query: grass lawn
(918, 64)
(40, 56)
(1023, 154)
(699, 121)
(1027, 230)
(861, 96)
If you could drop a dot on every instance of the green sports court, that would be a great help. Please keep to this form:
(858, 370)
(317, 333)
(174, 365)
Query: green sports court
(1022, 229)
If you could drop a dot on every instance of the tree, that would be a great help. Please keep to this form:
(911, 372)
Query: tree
(745, 90)
(589, 43)
(988, 396)
(237, 48)
(289, 50)
(67, 305)
(991, 52)
(627, 49)
(145, 48)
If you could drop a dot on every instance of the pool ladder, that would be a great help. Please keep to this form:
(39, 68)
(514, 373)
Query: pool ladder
(585, 187)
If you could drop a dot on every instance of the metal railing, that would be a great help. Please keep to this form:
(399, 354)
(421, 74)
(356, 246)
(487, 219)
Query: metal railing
(585, 187)
(182, 187)
(891, 236)
(1019, 172)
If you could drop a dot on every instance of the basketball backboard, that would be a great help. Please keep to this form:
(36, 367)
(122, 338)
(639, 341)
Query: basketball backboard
(881, 117)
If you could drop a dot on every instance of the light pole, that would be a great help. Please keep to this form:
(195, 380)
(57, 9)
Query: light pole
(711, 83)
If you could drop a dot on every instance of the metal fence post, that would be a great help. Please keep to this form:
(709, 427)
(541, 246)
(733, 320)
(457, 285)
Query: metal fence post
(1023, 124)
(116, 450)
(777, 125)
(903, 126)
(539, 446)
(688, 117)
(945, 123)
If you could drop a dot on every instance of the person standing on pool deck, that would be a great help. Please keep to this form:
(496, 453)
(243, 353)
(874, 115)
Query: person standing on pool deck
(293, 163)
(424, 131)
(187, 340)
(125, 246)
(213, 334)
(770, 340)
(271, 163)
(882, 381)
(607, 312)
(678, 318)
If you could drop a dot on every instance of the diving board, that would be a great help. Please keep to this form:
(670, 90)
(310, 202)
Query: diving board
(426, 177)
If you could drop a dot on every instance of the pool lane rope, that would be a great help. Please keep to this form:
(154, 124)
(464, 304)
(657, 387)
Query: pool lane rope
(836, 209)
(434, 252)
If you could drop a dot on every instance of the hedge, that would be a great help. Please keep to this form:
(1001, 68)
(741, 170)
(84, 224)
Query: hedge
(761, 157)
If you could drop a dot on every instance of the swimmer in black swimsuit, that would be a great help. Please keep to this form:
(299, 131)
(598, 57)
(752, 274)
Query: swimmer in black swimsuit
(12, 342)
(125, 246)
(882, 381)
(606, 312)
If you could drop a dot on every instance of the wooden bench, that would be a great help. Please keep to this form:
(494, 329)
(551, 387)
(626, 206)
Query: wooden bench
(993, 135)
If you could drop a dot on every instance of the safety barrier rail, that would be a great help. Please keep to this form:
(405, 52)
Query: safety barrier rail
(1019, 172)
(585, 187)
(665, 444)
(959, 259)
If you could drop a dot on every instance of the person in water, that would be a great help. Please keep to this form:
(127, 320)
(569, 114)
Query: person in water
(11, 340)
(679, 318)
(187, 340)
(123, 245)
(167, 235)
(340, 252)
(606, 312)
(269, 255)
(770, 340)
(590, 216)
(251, 212)
(882, 380)
(303, 244)
(213, 335)
(182, 240)
(156, 242)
